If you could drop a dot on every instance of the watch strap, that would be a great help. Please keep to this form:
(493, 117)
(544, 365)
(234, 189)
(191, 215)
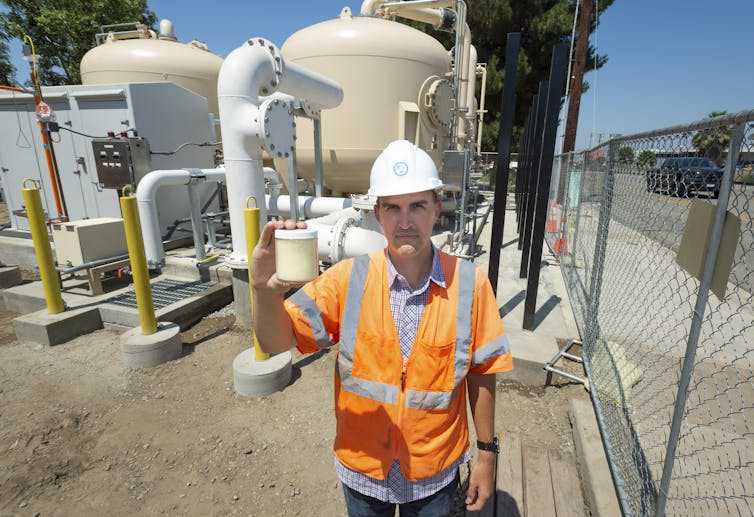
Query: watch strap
(493, 446)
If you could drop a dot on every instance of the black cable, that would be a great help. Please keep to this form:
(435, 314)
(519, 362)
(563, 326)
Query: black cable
(78, 133)
(168, 153)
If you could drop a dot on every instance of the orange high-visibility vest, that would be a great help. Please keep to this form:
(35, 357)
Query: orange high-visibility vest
(386, 410)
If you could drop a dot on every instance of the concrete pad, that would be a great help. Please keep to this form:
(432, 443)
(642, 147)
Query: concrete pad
(9, 276)
(596, 480)
(54, 329)
(16, 251)
(140, 351)
(25, 298)
(253, 378)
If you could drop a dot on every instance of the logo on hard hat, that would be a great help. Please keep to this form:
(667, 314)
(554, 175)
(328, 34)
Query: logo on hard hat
(400, 168)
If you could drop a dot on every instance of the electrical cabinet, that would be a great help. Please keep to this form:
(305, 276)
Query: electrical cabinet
(79, 242)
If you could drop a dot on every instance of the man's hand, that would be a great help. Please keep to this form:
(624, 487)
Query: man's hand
(263, 275)
(481, 481)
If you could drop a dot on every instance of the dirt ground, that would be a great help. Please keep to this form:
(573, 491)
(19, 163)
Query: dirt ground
(82, 435)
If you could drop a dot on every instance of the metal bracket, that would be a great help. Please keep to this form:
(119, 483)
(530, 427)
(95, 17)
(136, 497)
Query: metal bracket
(563, 353)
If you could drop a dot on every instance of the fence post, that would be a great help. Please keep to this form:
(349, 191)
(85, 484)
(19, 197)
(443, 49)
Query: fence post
(600, 246)
(736, 138)
(502, 169)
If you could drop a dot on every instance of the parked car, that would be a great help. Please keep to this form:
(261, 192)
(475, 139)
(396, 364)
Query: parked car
(685, 175)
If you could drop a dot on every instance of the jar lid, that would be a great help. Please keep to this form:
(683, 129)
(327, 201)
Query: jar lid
(299, 233)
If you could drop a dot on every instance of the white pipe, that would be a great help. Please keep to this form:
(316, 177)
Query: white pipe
(145, 197)
(482, 98)
(257, 69)
(308, 206)
(345, 239)
(471, 92)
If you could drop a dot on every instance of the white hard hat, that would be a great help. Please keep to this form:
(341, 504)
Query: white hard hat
(403, 168)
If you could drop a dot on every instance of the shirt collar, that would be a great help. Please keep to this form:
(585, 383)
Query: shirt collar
(436, 275)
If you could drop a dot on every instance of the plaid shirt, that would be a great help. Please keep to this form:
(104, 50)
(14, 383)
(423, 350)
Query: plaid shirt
(407, 307)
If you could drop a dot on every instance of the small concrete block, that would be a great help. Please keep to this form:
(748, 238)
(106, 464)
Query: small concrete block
(9, 276)
(54, 329)
(25, 298)
(253, 378)
(140, 351)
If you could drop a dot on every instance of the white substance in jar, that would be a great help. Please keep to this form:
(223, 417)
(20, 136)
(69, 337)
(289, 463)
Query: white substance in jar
(296, 257)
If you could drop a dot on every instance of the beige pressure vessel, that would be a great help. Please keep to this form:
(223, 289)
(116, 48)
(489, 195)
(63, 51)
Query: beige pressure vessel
(143, 56)
(395, 87)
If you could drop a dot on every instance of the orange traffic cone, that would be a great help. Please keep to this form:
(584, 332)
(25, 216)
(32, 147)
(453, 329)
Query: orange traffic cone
(561, 242)
(552, 219)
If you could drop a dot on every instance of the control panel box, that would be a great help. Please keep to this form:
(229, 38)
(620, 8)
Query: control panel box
(120, 161)
(79, 242)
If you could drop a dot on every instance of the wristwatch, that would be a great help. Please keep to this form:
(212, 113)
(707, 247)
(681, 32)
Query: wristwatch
(493, 446)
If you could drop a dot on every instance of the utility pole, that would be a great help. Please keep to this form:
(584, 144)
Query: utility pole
(582, 45)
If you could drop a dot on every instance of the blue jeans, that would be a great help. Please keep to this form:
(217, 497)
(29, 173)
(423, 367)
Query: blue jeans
(438, 504)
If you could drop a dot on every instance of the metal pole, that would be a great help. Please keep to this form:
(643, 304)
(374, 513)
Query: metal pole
(462, 215)
(533, 167)
(143, 290)
(502, 167)
(196, 221)
(319, 178)
(42, 249)
(544, 174)
(251, 218)
(736, 138)
(293, 185)
(523, 169)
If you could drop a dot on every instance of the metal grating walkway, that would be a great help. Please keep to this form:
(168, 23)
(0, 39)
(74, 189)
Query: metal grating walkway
(164, 293)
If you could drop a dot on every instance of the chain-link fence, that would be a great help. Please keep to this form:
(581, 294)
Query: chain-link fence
(656, 241)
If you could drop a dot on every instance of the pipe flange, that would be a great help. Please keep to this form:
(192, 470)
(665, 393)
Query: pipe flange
(277, 63)
(277, 127)
(363, 201)
(338, 237)
(237, 261)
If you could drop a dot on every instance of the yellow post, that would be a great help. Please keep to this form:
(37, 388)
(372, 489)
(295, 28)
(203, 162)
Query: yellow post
(130, 211)
(251, 218)
(50, 281)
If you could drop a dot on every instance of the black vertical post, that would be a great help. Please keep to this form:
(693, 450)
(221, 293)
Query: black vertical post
(521, 172)
(533, 167)
(528, 143)
(504, 137)
(555, 92)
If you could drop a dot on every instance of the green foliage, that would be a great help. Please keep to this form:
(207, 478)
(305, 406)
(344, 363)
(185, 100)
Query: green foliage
(7, 70)
(63, 30)
(646, 159)
(625, 155)
(713, 142)
(542, 24)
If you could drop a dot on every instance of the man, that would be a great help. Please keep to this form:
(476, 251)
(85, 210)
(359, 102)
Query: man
(416, 329)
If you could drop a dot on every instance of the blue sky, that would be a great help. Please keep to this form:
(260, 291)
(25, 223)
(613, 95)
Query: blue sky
(670, 61)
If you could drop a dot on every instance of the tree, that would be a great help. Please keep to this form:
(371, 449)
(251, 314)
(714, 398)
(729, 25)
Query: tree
(713, 142)
(64, 30)
(625, 155)
(542, 24)
(7, 70)
(646, 159)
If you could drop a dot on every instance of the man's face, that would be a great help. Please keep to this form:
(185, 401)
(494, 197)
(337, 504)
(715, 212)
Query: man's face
(407, 221)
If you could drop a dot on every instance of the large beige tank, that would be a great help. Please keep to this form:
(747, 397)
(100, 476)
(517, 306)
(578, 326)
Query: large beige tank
(143, 56)
(395, 87)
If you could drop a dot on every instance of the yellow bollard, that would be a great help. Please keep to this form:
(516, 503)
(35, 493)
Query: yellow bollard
(130, 211)
(42, 249)
(251, 218)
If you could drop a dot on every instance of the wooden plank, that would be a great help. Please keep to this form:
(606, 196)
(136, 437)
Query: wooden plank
(510, 479)
(538, 498)
(566, 487)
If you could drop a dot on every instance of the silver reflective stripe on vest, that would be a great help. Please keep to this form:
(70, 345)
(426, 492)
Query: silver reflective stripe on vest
(442, 399)
(368, 389)
(351, 311)
(313, 316)
(492, 349)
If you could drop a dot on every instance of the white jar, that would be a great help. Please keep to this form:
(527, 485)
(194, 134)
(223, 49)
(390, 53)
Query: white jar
(296, 258)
